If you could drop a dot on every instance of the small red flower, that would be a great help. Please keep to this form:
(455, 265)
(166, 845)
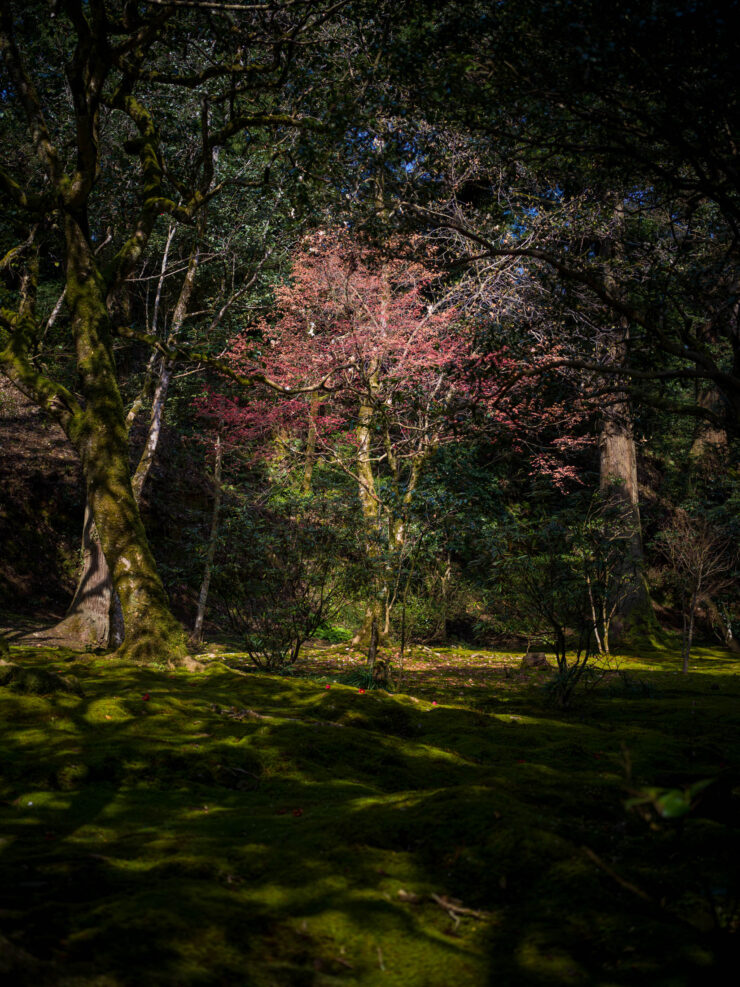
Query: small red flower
(145, 697)
(328, 687)
(361, 691)
(434, 702)
(297, 812)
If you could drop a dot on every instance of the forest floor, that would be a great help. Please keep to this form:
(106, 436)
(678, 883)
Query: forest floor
(234, 828)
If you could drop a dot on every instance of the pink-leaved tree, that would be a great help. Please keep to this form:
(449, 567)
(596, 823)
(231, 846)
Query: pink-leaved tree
(401, 377)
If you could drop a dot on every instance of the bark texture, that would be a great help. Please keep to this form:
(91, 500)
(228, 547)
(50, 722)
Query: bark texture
(100, 436)
(85, 624)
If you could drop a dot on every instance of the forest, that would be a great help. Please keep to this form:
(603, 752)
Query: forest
(369, 492)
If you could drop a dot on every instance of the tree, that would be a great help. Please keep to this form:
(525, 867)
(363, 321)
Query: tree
(398, 361)
(538, 572)
(185, 91)
(605, 543)
(586, 111)
(702, 559)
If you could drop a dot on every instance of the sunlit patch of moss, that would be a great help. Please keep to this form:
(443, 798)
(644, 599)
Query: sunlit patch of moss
(249, 828)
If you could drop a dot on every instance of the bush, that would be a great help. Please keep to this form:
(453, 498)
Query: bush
(284, 579)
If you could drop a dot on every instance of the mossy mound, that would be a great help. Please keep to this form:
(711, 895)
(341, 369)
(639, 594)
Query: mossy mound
(171, 828)
(35, 680)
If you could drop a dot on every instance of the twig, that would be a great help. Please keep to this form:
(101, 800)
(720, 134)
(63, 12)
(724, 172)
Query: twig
(615, 877)
(454, 908)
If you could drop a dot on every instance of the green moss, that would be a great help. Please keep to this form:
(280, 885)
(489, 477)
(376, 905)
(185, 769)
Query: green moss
(164, 827)
(35, 680)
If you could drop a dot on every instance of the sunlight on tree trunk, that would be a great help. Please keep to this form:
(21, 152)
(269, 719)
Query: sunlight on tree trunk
(85, 624)
(197, 634)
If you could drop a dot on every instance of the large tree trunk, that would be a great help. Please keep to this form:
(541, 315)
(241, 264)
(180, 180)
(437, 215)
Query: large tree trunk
(100, 436)
(618, 480)
(96, 611)
(85, 624)
(618, 472)
(95, 617)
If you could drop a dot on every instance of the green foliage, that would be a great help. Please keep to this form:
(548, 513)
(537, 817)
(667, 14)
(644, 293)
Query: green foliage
(283, 574)
(538, 578)
(333, 634)
(361, 678)
(670, 803)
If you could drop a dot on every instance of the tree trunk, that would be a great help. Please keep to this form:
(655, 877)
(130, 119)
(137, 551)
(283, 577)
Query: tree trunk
(688, 624)
(85, 624)
(618, 459)
(594, 618)
(197, 634)
(95, 617)
(375, 609)
(618, 482)
(99, 434)
(314, 400)
(88, 616)
(710, 441)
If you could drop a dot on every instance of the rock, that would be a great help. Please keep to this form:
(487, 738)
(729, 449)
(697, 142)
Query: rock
(535, 659)
(192, 664)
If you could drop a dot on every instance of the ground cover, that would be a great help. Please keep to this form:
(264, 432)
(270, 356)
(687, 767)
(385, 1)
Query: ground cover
(227, 827)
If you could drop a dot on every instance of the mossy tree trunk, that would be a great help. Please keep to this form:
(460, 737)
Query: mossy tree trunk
(95, 617)
(86, 622)
(98, 432)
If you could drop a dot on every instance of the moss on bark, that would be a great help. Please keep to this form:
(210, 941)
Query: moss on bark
(100, 436)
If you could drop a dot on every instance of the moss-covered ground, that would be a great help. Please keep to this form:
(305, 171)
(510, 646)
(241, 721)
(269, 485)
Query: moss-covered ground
(174, 828)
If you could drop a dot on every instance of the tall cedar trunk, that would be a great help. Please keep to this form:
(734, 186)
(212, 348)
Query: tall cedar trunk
(197, 634)
(618, 473)
(101, 439)
(710, 441)
(618, 479)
